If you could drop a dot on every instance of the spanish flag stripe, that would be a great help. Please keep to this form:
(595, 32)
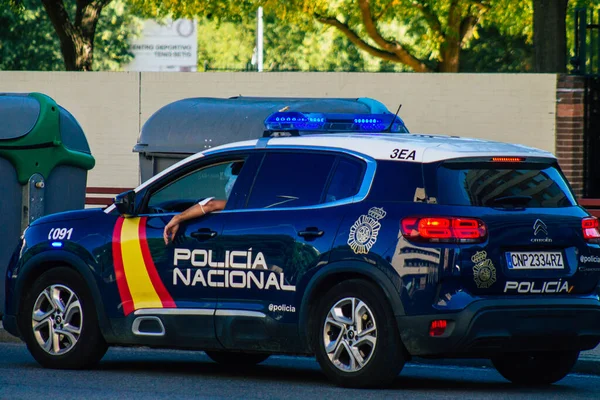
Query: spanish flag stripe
(161, 290)
(142, 290)
(124, 292)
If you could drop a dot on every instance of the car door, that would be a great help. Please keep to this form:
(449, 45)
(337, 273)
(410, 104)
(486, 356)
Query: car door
(285, 229)
(179, 281)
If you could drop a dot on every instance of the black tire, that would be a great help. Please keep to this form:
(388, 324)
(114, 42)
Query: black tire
(538, 368)
(90, 345)
(382, 362)
(234, 358)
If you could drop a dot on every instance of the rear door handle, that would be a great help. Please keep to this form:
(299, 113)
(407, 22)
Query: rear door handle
(203, 233)
(311, 233)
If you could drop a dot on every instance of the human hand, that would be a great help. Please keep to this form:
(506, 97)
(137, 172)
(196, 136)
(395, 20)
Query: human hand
(171, 230)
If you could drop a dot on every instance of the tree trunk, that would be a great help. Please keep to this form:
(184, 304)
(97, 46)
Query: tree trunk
(549, 35)
(450, 48)
(78, 52)
(76, 39)
(450, 61)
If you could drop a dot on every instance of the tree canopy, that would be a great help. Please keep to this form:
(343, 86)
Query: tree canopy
(421, 34)
(28, 40)
(350, 35)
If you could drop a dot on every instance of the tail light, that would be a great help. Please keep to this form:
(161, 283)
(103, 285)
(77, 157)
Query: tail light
(591, 231)
(437, 327)
(444, 230)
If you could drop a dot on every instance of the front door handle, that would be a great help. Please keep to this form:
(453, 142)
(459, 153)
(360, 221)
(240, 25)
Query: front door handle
(311, 233)
(203, 233)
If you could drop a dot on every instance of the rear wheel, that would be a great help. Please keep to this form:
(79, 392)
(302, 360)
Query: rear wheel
(539, 368)
(59, 323)
(356, 341)
(233, 358)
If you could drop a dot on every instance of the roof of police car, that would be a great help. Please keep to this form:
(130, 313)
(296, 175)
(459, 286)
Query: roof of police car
(380, 146)
(428, 148)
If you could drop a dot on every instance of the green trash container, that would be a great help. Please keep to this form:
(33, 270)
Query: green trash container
(44, 159)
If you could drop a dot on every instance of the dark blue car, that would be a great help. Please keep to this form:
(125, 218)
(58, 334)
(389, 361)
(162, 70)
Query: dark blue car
(363, 249)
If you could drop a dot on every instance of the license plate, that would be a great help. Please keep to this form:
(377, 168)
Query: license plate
(535, 260)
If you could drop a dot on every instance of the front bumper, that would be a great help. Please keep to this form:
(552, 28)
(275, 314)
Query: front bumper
(489, 327)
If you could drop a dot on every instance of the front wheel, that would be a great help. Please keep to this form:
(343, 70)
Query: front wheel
(539, 368)
(59, 323)
(356, 340)
(233, 358)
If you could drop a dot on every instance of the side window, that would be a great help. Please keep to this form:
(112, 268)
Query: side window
(291, 180)
(398, 181)
(346, 180)
(215, 180)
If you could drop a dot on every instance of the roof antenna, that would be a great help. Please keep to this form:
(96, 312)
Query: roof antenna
(389, 128)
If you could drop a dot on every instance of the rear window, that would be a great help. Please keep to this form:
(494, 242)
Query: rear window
(531, 185)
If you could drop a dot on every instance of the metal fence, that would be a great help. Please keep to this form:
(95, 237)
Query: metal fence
(587, 42)
(586, 62)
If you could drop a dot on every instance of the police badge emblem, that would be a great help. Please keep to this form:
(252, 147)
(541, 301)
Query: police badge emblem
(363, 234)
(484, 272)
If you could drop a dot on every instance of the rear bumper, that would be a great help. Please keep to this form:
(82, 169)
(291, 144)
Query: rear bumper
(490, 327)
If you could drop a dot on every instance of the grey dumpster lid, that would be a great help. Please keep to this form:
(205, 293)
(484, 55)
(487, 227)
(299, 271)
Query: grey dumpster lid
(191, 125)
(18, 114)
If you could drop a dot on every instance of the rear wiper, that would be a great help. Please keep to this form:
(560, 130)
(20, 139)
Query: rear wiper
(516, 201)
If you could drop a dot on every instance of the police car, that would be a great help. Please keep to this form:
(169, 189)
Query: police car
(363, 248)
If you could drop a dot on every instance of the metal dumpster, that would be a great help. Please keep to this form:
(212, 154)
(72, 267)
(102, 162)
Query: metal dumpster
(188, 126)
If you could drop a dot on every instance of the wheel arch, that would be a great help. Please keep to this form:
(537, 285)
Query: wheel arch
(43, 262)
(337, 272)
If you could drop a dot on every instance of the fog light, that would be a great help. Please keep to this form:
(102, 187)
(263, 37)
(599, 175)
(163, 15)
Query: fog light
(438, 327)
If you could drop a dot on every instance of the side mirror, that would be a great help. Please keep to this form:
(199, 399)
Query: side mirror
(125, 203)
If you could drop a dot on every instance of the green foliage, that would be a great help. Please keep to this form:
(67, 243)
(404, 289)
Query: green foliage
(294, 40)
(494, 52)
(28, 40)
(422, 27)
(307, 47)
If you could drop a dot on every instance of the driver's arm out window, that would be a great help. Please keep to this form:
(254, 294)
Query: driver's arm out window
(212, 181)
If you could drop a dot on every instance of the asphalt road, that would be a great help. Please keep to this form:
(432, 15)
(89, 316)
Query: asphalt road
(148, 374)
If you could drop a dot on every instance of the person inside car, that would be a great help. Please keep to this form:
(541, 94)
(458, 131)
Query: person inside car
(206, 206)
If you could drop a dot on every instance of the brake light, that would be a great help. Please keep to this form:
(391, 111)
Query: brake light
(444, 229)
(508, 159)
(590, 226)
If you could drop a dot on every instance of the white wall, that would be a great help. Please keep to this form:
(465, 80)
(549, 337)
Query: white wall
(111, 107)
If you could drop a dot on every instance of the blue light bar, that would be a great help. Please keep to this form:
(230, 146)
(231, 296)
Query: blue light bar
(56, 244)
(297, 121)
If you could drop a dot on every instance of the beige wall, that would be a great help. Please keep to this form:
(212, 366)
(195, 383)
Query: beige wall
(517, 108)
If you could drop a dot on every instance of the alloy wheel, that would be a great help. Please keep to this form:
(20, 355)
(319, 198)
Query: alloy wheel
(350, 334)
(57, 319)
